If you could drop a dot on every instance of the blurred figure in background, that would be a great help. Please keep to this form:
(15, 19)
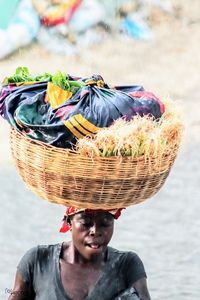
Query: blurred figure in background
(19, 25)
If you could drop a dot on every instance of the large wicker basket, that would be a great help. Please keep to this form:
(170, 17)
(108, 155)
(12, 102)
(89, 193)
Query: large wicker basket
(65, 177)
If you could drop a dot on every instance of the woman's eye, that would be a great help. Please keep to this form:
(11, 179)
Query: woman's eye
(100, 223)
(106, 224)
(86, 224)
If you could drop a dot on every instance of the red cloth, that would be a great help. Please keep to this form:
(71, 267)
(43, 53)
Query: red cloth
(71, 210)
(61, 16)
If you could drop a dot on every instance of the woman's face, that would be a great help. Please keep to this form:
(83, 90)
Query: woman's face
(91, 233)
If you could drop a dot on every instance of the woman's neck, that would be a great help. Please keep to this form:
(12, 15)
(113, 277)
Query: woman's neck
(71, 255)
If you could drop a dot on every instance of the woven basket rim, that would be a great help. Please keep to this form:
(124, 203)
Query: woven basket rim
(76, 153)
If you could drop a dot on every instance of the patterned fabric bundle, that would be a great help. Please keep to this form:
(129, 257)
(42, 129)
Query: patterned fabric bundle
(49, 113)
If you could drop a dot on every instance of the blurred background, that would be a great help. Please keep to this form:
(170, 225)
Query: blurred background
(154, 43)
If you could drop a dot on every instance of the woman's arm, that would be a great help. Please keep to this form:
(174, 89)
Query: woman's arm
(141, 287)
(21, 290)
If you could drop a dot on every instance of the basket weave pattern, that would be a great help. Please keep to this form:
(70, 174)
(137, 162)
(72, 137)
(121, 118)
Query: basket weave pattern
(65, 177)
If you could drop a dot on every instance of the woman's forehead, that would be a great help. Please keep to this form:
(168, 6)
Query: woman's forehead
(94, 215)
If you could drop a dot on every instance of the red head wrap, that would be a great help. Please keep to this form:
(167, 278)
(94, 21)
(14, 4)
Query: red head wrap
(71, 210)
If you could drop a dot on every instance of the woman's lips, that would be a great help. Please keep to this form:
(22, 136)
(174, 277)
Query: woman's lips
(94, 246)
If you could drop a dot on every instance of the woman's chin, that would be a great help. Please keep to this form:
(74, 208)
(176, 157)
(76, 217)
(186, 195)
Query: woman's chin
(92, 252)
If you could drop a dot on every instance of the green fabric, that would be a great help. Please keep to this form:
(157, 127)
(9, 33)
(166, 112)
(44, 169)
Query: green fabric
(7, 9)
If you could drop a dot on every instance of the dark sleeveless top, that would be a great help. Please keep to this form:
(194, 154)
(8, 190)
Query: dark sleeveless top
(40, 268)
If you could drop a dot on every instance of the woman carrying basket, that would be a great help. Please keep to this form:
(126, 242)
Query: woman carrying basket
(59, 111)
(85, 268)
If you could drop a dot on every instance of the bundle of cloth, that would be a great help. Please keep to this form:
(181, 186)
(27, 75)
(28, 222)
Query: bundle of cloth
(59, 109)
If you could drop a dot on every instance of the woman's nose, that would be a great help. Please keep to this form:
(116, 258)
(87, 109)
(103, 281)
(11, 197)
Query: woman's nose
(94, 229)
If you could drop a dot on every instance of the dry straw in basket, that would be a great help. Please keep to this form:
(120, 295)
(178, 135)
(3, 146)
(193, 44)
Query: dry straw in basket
(142, 136)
